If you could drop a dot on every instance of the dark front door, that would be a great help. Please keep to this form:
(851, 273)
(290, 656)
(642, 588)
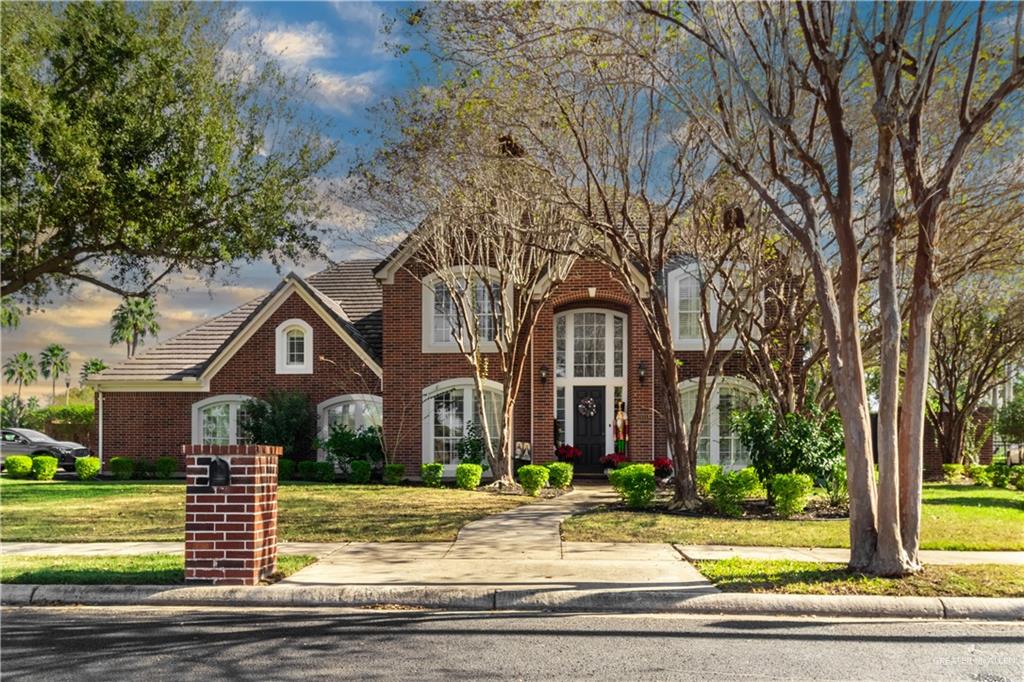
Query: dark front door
(588, 432)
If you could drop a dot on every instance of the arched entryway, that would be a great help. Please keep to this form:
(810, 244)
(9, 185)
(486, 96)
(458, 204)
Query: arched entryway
(590, 378)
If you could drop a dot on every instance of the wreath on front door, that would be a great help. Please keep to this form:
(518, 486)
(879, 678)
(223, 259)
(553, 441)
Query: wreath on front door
(587, 407)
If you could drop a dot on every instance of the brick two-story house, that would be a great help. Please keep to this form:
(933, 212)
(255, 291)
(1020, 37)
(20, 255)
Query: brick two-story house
(370, 343)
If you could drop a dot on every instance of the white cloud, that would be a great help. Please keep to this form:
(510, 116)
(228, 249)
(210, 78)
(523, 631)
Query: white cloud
(367, 13)
(341, 92)
(299, 45)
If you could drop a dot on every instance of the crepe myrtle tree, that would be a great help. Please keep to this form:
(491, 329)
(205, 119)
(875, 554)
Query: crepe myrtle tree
(784, 84)
(143, 139)
(978, 336)
(493, 244)
(625, 166)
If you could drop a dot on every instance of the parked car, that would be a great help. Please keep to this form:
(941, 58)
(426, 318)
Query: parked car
(31, 443)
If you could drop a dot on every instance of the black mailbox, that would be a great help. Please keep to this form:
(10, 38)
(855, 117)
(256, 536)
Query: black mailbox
(220, 472)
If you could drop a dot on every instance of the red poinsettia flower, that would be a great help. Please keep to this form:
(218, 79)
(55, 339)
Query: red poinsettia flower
(613, 459)
(567, 453)
(662, 466)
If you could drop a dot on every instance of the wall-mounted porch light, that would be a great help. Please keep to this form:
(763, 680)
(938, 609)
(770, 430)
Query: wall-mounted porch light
(543, 374)
(641, 371)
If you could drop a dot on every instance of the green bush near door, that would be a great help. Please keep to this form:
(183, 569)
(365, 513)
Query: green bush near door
(560, 474)
(532, 477)
(468, 475)
(87, 468)
(635, 484)
(432, 474)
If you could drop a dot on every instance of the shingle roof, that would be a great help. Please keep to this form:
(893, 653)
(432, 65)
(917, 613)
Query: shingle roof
(353, 286)
(347, 290)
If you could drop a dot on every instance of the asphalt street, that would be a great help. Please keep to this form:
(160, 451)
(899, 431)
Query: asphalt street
(91, 643)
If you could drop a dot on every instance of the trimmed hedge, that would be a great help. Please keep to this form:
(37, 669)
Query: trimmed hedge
(44, 467)
(1000, 473)
(432, 474)
(980, 475)
(164, 467)
(729, 490)
(1017, 476)
(792, 492)
(560, 474)
(143, 469)
(285, 469)
(952, 472)
(533, 477)
(18, 466)
(635, 483)
(87, 468)
(706, 475)
(323, 472)
(393, 473)
(468, 475)
(359, 471)
(121, 468)
(307, 470)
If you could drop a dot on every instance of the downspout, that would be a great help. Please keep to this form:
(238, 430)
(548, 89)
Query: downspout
(99, 399)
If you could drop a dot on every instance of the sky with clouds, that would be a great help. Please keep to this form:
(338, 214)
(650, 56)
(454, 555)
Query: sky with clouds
(342, 46)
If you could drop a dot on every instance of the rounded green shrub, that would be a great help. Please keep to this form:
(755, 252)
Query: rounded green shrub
(1000, 473)
(121, 468)
(359, 471)
(468, 475)
(791, 493)
(143, 469)
(87, 468)
(706, 475)
(635, 484)
(980, 475)
(323, 472)
(18, 466)
(307, 470)
(729, 490)
(432, 474)
(393, 473)
(560, 474)
(952, 472)
(285, 469)
(1017, 476)
(533, 477)
(44, 467)
(164, 467)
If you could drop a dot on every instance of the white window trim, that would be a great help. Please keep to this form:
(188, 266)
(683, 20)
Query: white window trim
(324, 407)
(234, 400)
(712, 419)
(609, 381)
(728, 342)
(427, 312)
(281, 343)
(469, 406)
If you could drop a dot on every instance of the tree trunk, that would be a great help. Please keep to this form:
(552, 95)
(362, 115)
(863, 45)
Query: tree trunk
(683, 459)
(911, 434)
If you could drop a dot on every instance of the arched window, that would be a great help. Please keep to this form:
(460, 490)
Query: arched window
(294, 341)
(354, 411)
(719, 443)
(220, 420)
(448, 409)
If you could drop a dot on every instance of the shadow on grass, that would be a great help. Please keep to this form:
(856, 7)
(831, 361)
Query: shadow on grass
(79, 576)
(1004, 502)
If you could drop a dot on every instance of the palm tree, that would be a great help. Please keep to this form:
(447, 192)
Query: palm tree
(132, 321)
(21, 369)
(91, 366)
(10, 314)
(54, 361)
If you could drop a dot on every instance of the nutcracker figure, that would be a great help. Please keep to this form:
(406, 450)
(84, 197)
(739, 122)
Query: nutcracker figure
(620, 427)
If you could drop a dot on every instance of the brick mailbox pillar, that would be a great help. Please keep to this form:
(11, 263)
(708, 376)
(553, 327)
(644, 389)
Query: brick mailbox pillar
(230, 530)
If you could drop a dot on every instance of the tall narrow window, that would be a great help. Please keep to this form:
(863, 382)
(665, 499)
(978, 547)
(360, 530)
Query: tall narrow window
(689, 308)
(588, 344)
(294, 339)
(559, 415)
(449, 425)
(618, 345)
(296, 347)
(446, 317)
(560, 346)
(487, 306)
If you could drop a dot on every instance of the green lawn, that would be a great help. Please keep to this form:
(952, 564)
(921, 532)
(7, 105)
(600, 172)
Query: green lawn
(800, 577)
(145, 569)
(95, 511)
(953, 517)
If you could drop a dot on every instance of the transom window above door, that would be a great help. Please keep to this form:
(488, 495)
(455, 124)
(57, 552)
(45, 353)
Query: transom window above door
(590, 344)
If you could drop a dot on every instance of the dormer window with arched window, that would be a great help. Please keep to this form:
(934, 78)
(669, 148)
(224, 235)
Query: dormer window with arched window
(294, 341)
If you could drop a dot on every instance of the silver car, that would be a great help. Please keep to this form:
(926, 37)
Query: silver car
(28, 442)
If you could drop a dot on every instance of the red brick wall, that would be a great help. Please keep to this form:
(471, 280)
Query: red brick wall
(148, 425)
(231, 531)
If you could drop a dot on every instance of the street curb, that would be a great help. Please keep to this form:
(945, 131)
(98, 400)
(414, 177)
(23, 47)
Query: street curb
(486, 599)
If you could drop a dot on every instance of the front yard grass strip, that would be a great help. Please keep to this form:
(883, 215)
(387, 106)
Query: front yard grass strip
(953, 517)
(122, 511)
(806, 577)
(143, 569)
